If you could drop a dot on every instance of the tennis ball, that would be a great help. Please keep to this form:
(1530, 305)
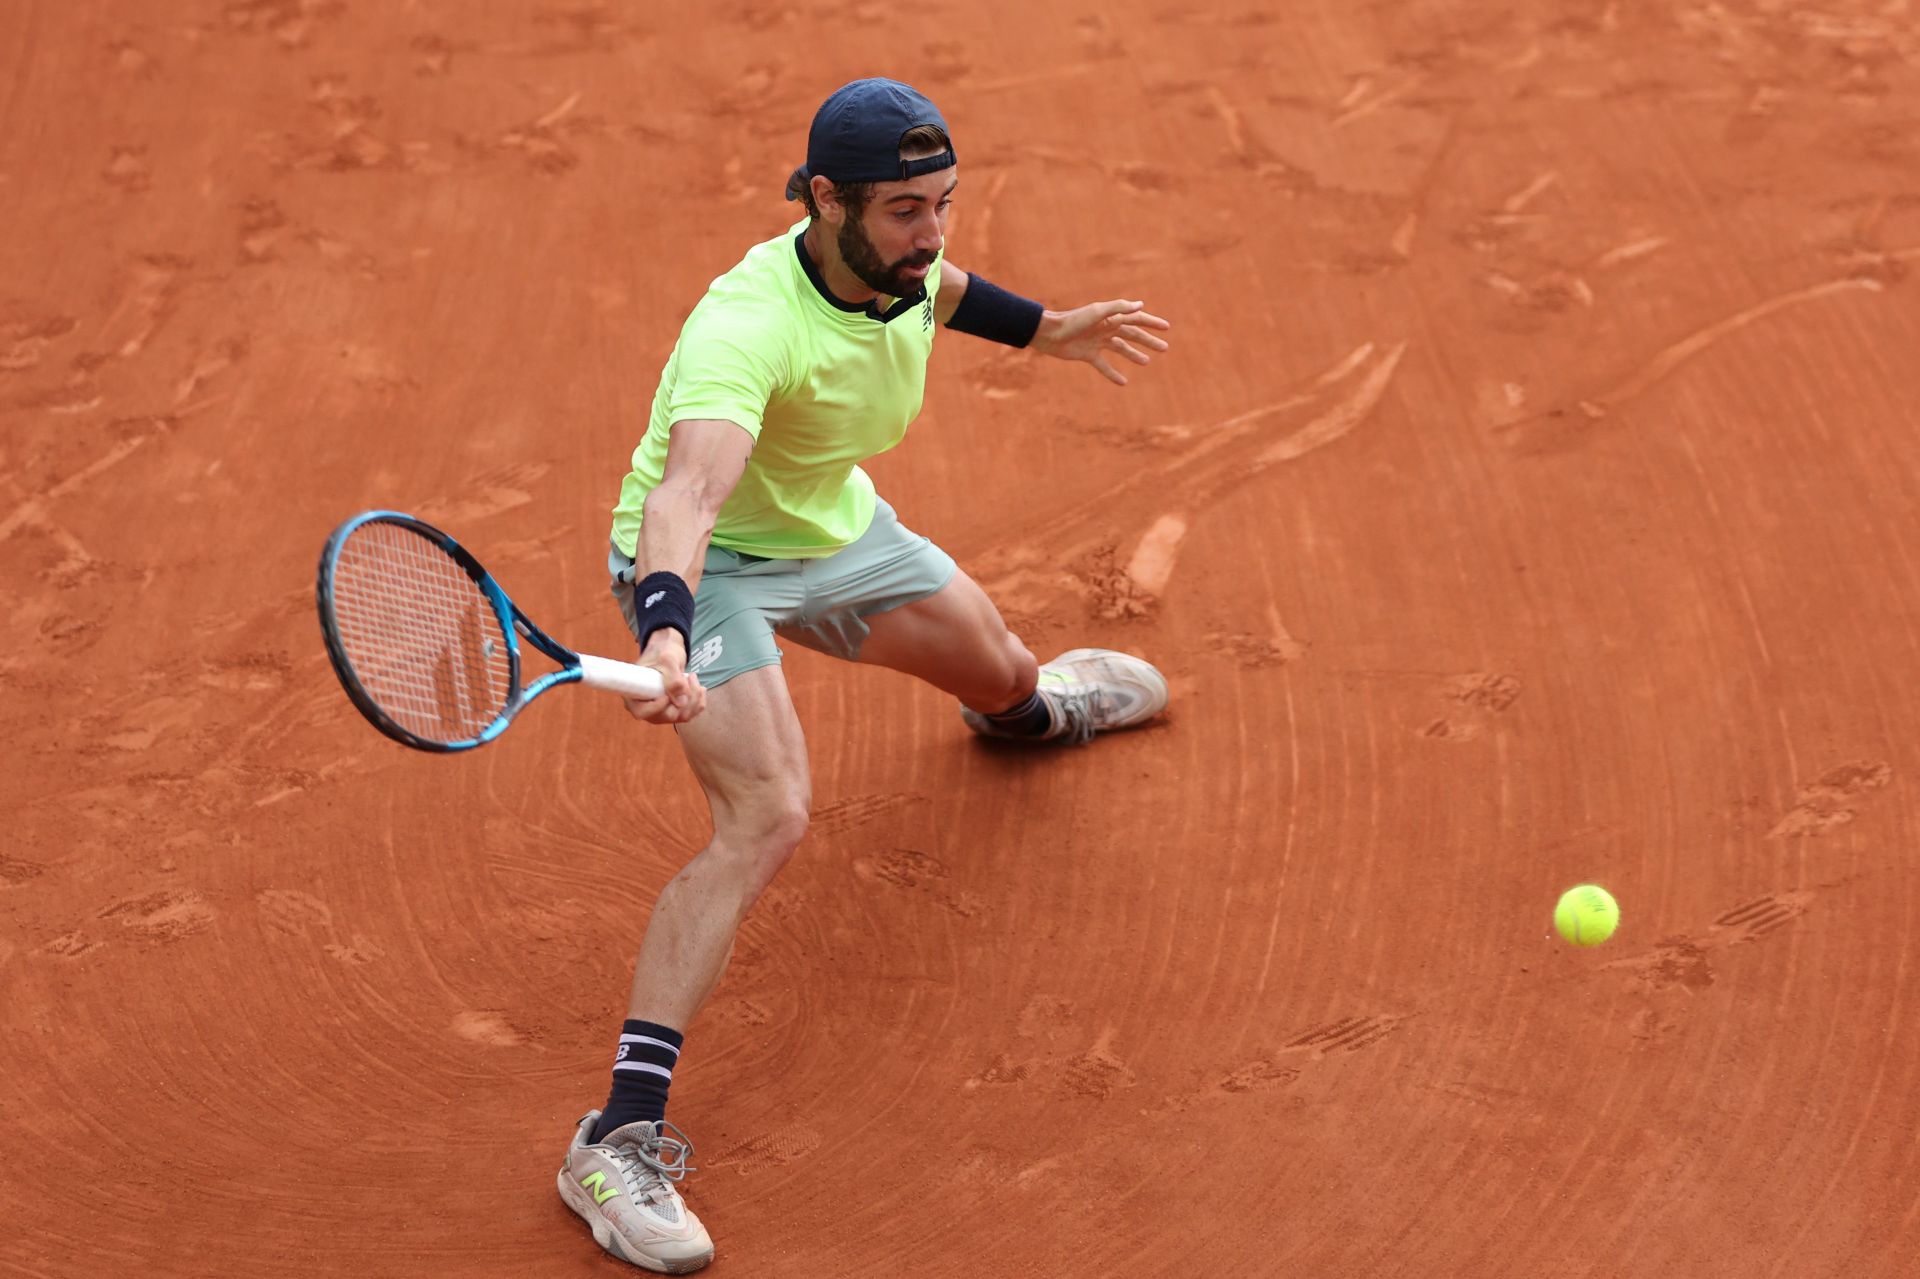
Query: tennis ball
(1586, 915)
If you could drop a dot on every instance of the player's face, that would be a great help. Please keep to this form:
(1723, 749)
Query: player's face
(892, 245)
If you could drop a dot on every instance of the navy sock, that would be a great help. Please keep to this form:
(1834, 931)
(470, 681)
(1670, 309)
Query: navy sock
(1030, 718)
(642, 1070)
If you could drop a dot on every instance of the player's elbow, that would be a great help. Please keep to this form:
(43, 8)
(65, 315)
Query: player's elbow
(682, 499)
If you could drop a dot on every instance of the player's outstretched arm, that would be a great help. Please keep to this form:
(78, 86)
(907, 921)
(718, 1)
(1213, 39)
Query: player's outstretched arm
(1092, 333)
(1098, 330)
(705, 459)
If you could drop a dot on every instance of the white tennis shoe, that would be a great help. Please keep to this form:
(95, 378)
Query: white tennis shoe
(624, 1189)
(1090, 690)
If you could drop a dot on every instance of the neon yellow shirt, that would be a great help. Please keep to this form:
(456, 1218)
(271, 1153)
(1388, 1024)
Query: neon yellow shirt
(820, 385)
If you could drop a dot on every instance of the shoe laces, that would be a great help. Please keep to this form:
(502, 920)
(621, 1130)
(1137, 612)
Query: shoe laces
(649, 1166)
(1079, 708)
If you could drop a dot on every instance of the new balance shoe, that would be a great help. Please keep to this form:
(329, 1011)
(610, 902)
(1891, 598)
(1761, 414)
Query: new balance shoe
(1088, 691)
(624, 1189)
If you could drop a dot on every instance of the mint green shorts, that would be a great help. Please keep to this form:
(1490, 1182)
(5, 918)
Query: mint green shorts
(743, 601)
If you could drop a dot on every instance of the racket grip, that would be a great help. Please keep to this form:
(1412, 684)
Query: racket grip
(624, 678)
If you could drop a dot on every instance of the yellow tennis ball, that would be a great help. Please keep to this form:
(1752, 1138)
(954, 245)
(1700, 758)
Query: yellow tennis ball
(1586, 915)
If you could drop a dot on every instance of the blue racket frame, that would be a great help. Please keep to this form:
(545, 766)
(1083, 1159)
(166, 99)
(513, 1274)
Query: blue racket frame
(513, 625)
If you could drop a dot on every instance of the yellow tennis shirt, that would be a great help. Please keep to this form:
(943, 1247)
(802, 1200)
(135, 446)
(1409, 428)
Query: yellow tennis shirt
(820, 384)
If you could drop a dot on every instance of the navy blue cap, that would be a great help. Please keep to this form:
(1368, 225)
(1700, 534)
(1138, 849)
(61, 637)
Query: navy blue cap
(856, 135)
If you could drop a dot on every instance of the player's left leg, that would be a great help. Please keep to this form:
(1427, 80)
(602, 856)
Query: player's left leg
(956, 640)
(895, 599)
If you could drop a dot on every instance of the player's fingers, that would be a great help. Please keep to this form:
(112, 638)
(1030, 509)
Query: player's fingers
(647, 710)
(1130, 351)
(1107, 310)
(1147, 320)
(1107, 370)
(696, 699)
(1133, 334)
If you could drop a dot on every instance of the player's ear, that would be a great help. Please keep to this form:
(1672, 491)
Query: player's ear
(826, 198)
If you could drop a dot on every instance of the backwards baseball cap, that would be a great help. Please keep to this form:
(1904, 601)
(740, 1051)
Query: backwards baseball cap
(856, 135)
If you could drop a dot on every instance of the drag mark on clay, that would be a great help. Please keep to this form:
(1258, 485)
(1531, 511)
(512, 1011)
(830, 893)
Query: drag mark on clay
(1208, 462)
(543, 142)
(162, 917)
(155, 294)
(486, 495)
(24, 343)
(489, 1028)
(1359, 103)
(15, 871)
(1151, 567)
(1539, 428)
(1832, 801)
(33, 510)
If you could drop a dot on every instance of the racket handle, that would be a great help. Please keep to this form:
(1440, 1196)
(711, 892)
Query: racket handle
(624, 678)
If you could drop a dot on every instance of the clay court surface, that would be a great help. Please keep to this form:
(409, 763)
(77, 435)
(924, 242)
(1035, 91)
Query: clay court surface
(1530, 499)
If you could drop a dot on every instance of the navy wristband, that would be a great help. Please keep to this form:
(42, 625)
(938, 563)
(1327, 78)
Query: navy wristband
(662, 601)
(988, 311)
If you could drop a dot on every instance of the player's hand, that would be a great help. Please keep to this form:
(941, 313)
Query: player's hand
(1098, 330)
(682, 698)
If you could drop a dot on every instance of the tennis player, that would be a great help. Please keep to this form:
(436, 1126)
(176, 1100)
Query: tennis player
(800, 363)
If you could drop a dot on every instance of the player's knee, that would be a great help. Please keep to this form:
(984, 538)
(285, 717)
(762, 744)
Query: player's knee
(767, 835)
(786, 824)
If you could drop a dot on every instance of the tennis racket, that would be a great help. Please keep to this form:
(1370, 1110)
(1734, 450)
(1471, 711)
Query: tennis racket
(427, 644)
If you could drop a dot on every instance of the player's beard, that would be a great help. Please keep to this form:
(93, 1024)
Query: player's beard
(857, 251)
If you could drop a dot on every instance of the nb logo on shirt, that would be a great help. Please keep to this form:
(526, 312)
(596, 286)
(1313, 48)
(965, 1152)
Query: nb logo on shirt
(926, 316)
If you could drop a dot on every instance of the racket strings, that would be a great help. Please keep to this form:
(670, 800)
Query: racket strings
(422, 637)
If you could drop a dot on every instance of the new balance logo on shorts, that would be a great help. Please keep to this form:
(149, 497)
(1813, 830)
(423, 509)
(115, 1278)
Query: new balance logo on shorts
(705, 655)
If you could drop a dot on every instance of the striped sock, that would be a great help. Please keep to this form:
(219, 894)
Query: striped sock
(642, 1071)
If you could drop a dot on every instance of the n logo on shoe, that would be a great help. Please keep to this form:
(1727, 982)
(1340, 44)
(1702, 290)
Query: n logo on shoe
(596, 1185)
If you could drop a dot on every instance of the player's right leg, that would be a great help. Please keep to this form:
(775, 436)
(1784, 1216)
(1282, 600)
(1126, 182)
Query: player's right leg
(750, 757)
(623, 1166)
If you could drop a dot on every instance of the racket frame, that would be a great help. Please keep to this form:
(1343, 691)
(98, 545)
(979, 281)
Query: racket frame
(514, 625)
